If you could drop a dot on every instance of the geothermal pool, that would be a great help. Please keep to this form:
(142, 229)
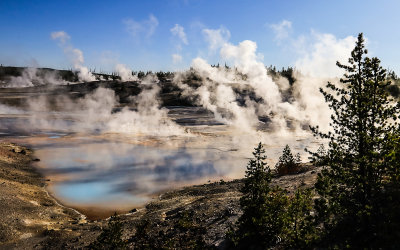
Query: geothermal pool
(120, 171)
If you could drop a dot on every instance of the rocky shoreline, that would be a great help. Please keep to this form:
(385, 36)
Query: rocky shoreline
(32, 219)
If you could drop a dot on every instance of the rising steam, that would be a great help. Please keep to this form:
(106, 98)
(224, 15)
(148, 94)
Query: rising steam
(243, 96)
(32, 77)
(74, 55)
(95, 112)
(261, 96)
(125, 73)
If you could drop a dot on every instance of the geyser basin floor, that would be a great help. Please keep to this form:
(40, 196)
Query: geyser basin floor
(94, 171)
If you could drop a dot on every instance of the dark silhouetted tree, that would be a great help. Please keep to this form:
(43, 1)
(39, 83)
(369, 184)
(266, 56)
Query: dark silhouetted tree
(288, 164)
(300, 233)
(356, 189)
(262, 222)
(271, 218)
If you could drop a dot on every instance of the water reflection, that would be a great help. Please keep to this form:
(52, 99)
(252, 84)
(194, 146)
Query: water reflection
(93, 172)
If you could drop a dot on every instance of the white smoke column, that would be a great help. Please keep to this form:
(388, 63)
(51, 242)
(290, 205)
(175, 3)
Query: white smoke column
(96, 109)
(6, 110)
(219, 85)
(146, 27)
(319, 59)
(149, 119)
(281, 30)
(217, 95)
(74, 55)
(309, 104)
(314, 69)
(25, 80)
(246, 62)
(29, 78)
(216, 38)
(89, 114)
(179, 32)
(217, 92)
(176, 58)
(94, 113)
(125, 73)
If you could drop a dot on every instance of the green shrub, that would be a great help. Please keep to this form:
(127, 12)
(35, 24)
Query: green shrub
(111, 236)
(184, 233)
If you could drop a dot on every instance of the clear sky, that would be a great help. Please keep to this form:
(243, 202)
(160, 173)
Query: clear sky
(167, 35)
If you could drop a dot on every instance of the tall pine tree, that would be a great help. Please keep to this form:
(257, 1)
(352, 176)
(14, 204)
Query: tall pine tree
(361, 146)
(264, 218)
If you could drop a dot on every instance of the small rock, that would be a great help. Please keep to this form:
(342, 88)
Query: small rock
(47, 204)
(133, 210)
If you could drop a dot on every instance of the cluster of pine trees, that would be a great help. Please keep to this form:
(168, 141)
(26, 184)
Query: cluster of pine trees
(357, 193)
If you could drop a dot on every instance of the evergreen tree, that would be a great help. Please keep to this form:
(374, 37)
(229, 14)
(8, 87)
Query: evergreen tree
(288, 164)
(271, 218)
(264, 208)
(353, 187)
(301, 231)
(319, 157)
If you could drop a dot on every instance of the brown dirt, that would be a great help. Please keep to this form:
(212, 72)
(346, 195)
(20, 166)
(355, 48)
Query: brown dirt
(28, 212)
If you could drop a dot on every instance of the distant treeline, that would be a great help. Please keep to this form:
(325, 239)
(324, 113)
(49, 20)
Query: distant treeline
(72, 76)
(164, 76)
(8, 71)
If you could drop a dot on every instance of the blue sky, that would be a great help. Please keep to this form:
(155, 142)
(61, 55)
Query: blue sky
(138, 33)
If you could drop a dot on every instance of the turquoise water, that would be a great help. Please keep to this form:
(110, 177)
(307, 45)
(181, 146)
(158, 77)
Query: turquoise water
(89, 172)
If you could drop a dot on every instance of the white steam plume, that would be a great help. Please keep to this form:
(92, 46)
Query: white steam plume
(149, 119)
(147, 27)
(319, 59)
(125, 73)
(176, 58)
(179, 31)
(255, 105)
(74, 55)
(216, 38)
(29, 78)
(62, 36)
(217, 92)
(281, 30)
(245, 60)
(95, 112)
(263, 96)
